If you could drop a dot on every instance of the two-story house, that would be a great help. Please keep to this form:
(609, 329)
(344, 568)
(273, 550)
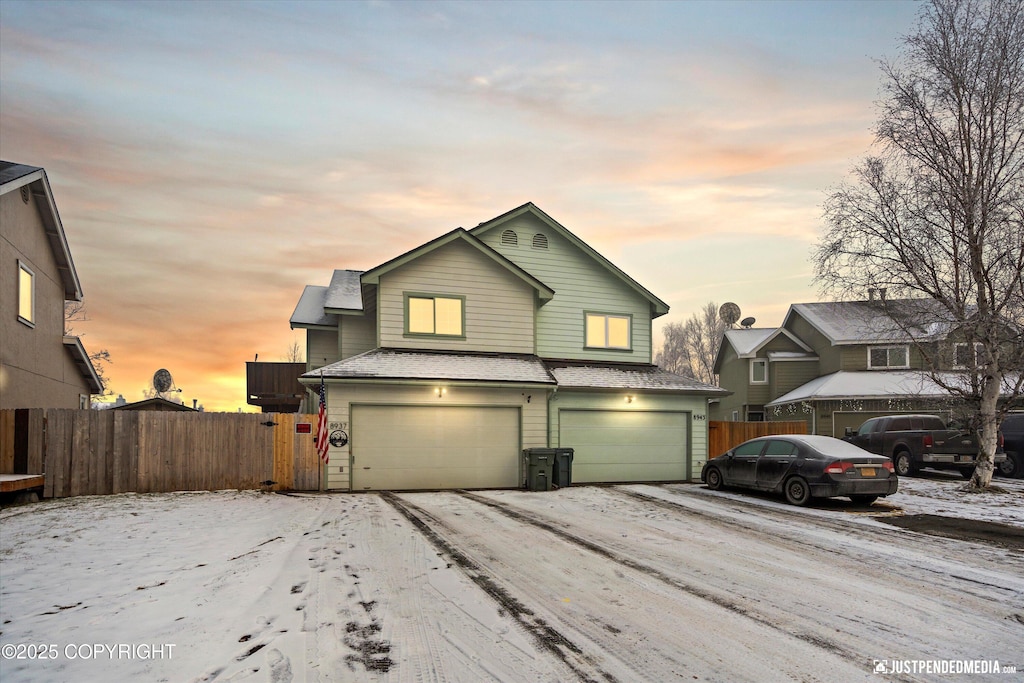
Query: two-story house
(836, 364)
(443, 363)
(40, 367)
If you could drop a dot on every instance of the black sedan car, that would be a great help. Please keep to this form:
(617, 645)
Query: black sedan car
(802, 467)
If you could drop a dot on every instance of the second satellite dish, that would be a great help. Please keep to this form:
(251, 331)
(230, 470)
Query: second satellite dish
(729, 313)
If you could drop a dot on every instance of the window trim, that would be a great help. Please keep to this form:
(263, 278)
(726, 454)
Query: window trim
(887, 366)
(423, 295)
(978, 347)
(24, 268)
(628, 317)
(757, 361)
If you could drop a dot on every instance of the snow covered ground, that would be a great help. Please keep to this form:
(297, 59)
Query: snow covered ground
(625, 583)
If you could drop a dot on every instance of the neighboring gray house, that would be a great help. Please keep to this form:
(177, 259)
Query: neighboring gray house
(443, 363)
(835, 365)
(40, 367)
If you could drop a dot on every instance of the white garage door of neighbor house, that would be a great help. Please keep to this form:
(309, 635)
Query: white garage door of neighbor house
(621, 445)
(434, 447)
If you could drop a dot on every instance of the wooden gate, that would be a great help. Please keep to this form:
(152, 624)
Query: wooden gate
(89, 452)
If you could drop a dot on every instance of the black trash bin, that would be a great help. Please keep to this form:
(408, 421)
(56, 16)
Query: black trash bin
(562, 475)
(539, 464)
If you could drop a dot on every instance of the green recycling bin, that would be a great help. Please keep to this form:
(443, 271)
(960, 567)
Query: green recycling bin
(562, 474)
(539, 464)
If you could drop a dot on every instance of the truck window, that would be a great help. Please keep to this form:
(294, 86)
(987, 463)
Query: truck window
(931, 422)
(867, 427)
(900, 424)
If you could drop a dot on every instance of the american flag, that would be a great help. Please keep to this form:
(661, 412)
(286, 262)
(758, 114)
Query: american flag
(321, 424)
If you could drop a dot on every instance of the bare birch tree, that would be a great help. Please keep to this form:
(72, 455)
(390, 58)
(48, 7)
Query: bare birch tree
(689, 348)
(936, 215)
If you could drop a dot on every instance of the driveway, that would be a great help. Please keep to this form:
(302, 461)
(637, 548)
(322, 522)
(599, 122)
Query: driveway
(623, 583)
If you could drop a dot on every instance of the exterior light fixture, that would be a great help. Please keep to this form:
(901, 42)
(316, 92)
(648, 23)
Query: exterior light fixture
(630, 398)
(440, 391)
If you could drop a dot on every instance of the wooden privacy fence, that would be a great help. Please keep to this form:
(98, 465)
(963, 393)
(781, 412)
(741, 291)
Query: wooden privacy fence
(725, 435)
(91, 452)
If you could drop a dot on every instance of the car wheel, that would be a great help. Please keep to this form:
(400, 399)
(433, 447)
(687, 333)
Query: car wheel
(713, 478)
(797, 491)
(863, 499)
(1012, 467)
(904, 464)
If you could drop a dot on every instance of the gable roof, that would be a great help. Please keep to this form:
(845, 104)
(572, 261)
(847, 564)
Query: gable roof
(14, 177)
(658, 306)
(747, 342)
(84, 364)
(871, 322)
(309, 311)
(372, 276)
(345, 293)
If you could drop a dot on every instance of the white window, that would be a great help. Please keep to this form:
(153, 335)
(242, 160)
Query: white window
(888, 357)
(608, 331)
(962, 356)
(26, 295)
(758, 371)
(428, 314)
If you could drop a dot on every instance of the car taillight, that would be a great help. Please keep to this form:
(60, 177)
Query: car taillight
(838, 467)
(888, 465)
(928, 441)
(1001, 442)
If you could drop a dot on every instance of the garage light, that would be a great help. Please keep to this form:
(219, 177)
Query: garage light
(630, 398)
(440, 391)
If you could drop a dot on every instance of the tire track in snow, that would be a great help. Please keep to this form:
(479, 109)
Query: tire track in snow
(674, 582)
(546, 637)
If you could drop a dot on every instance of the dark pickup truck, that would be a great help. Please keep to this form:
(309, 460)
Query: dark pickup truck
(1013, 442)
(916, 441)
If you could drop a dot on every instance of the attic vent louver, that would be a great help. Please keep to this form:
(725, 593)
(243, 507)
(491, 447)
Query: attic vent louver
(24, 193)
(509, 238)
(540, 241)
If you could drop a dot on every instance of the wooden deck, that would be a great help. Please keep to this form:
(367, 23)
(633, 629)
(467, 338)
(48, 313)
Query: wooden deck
(20, 482)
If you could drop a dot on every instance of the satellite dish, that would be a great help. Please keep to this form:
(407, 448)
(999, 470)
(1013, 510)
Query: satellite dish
(162, 381)
(729, 313)
(748, 322)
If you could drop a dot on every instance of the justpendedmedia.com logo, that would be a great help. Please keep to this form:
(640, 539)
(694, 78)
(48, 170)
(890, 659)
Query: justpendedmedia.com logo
(940, 666)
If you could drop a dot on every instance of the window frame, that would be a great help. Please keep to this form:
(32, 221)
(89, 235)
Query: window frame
(979, 348)
(759, 361)
(888, 366)
(408, 296)
(628, 317)
(23, 268)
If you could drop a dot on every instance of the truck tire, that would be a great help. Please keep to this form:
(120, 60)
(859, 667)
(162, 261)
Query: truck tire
(904, 464)
(1012, 467)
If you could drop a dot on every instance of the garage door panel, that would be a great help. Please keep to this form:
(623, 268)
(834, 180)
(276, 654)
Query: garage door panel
(435, 447)
(613, 445)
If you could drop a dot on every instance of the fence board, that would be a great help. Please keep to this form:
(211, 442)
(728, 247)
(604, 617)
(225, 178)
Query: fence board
(725, 435)
(7, 441)
(36, 434)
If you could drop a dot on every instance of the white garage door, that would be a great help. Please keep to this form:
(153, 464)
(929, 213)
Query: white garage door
(434, 447)
(619, 445)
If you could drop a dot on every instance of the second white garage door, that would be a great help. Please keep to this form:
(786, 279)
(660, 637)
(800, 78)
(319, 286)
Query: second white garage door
(619, 445)
(435, 447)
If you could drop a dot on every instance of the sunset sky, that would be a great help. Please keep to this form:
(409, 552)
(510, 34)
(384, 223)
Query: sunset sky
(209, 159)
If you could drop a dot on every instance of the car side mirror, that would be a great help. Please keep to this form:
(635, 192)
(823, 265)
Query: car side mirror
(849, 431)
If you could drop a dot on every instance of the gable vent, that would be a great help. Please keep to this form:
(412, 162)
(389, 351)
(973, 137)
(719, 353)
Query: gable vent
(509, 238)
(540, 241)
(24, 193)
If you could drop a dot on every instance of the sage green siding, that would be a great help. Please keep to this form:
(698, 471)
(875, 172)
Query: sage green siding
(788, 375)
(581, 285)
(829, 356)
(855, 357)
(321, 348)
(690, 411)
(358, 334)
(499, 306)
(735, 376)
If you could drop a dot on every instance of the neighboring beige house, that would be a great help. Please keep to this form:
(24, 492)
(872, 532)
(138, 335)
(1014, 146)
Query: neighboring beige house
(443, 363)
(835, 365)
(40, 367)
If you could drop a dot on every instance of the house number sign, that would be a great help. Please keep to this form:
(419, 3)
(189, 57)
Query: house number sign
(338, 436)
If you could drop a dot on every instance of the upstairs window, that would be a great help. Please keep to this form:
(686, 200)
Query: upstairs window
(26, 295)
(437, 315)
(758, 371)
(608, 331)
(888, 357)
(964, 359)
